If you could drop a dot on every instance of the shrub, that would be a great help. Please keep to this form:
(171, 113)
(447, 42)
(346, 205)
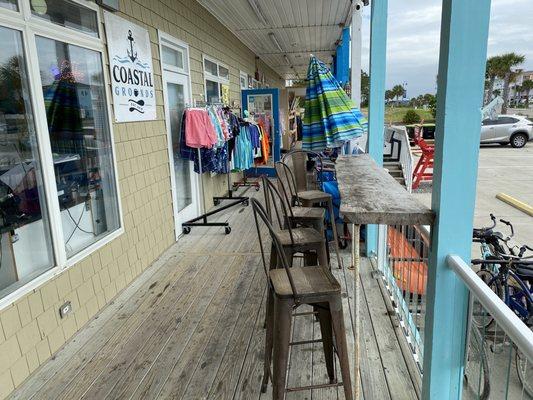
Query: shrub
(411, 117)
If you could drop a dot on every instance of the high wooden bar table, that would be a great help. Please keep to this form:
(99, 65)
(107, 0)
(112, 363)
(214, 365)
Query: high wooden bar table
(369, 195)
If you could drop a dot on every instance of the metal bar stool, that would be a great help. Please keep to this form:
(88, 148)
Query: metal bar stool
(309, 198)
(308, 241)
(289, 288)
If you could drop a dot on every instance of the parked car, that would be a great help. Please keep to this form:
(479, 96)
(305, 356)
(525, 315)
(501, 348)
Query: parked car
(514, 129)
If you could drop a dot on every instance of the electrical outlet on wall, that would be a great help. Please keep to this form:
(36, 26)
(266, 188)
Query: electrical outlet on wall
(65, 309)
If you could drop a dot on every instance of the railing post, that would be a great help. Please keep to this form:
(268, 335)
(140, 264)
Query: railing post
(463, 51)
(376, 106)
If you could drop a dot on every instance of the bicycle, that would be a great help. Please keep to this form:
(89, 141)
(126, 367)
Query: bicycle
(517, 294)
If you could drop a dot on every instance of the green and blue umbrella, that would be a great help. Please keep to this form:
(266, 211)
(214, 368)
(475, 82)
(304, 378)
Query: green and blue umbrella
(331, 119)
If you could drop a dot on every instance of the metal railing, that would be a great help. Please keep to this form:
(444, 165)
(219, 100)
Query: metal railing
(499, 355)
(402, 152)
(402, 260)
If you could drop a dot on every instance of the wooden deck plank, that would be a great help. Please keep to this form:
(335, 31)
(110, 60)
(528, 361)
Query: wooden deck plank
(112, 335)
(208, 365)
(127, 368)
(319, 372)
(125, 304)
(301, 361)
(181, 373)
(112, 357)
(146, 360)
(175, 345)
(398, 379)
(373, 381)
(232, 363)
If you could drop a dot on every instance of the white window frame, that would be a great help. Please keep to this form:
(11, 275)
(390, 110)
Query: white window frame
(214, 78)
(30, 27)
(243, 75)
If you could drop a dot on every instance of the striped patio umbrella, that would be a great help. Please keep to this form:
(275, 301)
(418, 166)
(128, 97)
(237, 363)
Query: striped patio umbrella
(330, 119)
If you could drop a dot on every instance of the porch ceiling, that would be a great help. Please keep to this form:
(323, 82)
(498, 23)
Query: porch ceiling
(301, 27)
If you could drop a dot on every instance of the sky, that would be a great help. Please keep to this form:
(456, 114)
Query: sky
(413, 39)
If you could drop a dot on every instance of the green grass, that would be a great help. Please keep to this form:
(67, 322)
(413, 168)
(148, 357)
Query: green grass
(394, 115)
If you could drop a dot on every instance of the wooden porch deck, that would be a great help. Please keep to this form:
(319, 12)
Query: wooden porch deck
(190, 327)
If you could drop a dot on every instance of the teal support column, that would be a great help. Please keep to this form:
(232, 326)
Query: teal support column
(463, 52)
(341, 64)
(376, 106)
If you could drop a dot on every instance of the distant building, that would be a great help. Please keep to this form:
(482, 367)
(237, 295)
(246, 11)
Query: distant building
(514, 96)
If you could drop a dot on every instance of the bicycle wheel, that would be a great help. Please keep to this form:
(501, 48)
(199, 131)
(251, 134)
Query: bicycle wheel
(524, 369)
(477, 374)
(480, 317)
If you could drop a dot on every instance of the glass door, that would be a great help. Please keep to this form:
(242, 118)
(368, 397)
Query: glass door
(184, 180)
(262, 105)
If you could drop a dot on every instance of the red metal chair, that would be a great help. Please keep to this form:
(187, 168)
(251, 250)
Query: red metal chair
(424, 168)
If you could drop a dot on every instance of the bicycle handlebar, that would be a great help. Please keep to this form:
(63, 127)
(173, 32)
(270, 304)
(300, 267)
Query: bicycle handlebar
(509, 225)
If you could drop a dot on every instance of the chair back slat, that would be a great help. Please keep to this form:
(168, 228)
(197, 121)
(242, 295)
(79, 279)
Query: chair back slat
(284, 173)
(259, 211)
(275, 205)
(296, 159)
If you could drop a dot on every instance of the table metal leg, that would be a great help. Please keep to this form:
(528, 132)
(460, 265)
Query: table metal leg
(356, 261)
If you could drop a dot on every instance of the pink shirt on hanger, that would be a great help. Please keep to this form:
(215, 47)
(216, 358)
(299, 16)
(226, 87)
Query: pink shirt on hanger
(199, 130)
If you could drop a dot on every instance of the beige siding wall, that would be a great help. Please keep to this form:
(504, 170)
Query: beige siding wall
(31, 329)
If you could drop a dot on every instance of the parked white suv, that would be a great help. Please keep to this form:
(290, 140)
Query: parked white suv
(514, 129)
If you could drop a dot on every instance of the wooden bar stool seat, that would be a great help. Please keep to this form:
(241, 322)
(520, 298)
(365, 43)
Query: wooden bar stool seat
(288, 289)
(311, 283)
(309, 216)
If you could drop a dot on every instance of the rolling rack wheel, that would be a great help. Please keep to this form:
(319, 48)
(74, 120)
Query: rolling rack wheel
(186, 230)
(227, 230)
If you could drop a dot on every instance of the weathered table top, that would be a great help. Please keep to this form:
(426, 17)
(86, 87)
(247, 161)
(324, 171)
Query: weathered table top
(369, 195)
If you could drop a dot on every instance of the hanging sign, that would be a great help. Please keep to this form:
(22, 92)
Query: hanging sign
(132, 74)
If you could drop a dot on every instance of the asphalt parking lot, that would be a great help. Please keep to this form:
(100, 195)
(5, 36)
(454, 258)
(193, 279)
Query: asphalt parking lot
(507, 170)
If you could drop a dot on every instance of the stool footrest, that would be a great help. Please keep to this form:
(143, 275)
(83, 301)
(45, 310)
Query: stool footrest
(322, 386)
(300, 342)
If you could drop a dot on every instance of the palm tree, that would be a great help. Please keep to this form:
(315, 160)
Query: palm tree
(398, 91)
(494, 70)
(527, 86)
(389, 95)
(518, 94)
(509, 62)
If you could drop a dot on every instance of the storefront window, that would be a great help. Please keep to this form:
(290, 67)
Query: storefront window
(210, 67)
(25, 248)
(9, 4)
(172, 57)
(68, 14)
(223, 72)
(73, 86)
(216, 82)
(211, 90)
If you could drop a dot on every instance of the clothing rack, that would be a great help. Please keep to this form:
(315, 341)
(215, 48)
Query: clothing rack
(202, 220)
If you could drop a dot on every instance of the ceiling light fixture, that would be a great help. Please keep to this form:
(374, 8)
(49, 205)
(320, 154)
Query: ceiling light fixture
(274, 40)
(286, 59)
(258, 12)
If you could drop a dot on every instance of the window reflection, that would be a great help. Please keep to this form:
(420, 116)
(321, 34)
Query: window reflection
(25, 250)
(68, 14)
(73, 88)
(9, 4)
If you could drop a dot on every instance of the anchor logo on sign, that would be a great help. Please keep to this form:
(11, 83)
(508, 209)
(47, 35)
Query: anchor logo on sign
(132, 56)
